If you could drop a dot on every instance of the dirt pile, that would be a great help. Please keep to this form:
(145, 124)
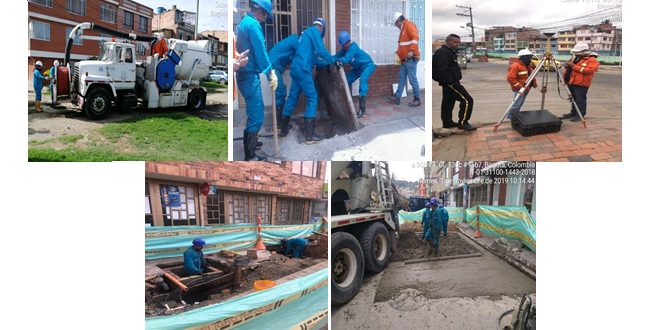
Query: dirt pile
(411, 246)
(318, 248)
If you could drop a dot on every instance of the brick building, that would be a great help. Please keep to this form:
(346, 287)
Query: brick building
(467, 184)
(51, 21)
(512, 39)
(370, 24)
(279, 192)
(220, 42)
(174, 23)
(600, 37)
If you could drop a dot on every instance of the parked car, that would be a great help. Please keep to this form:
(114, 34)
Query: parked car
(218, 76)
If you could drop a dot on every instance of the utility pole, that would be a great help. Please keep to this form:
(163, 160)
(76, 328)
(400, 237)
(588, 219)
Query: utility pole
(196, 23)
(471, 18)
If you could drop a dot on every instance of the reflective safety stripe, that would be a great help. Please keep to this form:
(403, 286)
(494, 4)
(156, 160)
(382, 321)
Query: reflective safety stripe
(584, 64)
(407, 43)
(517, 84)
(581, 69)
(522, 72)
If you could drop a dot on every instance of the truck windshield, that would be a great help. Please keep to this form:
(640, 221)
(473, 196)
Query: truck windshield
(107, 51)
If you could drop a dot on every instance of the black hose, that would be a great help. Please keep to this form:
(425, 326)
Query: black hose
(499, 327)
(102, 29)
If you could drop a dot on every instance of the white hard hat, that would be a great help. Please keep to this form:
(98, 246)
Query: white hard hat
(56, 63)
(581, 46)
(396, 16)
(524, 52)
(39, 63)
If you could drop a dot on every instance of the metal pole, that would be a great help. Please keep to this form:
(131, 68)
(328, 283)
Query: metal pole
(276, 153)
(196, 22)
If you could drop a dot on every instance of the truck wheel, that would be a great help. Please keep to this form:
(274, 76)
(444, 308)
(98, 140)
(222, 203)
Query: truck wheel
(98, 104)
(347, 267)
(376, 248)
(197, 100)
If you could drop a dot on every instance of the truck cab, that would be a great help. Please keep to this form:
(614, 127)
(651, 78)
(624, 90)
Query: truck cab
(121, 63)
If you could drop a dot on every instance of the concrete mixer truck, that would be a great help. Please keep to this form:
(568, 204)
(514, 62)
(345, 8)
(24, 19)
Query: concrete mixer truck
(364, 223)
(168, 78)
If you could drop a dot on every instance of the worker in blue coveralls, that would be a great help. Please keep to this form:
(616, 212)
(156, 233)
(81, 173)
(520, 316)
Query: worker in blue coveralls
(250, 36)
(37, 84)
(439, 219)
(433, 208)
(280, 56)
(52, 74)
(362, 67)
(310, 49)
(298, 244)
(444, 218)
(195, 263)
(425, 220)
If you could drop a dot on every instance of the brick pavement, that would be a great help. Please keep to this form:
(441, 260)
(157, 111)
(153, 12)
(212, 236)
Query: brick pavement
(601, 141)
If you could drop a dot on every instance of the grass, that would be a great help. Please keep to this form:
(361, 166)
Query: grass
(212, 85)
(173, 136)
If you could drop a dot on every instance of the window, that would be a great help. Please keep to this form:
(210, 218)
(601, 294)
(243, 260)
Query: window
(179, 17)
(107, 13)
(77, 40)
(128, 20)
(149, 211)
(215, 209)
(128, 55)
(245, 208)
(101, 42)
(140, 50)
(286, 13)
(76, 7)
(304, 168)
(290, 211)
(40, 30)
(143, 24)
(185, 215)
(373, 29)
(47, 3)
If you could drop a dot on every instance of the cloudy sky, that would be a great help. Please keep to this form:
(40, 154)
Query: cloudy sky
(210, 11)
(409, 171)
(541, 14)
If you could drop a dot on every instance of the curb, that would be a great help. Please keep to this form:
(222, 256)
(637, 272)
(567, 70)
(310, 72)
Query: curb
(516, 265)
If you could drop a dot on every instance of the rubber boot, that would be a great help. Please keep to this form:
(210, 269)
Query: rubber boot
(430, 249)
(436, 251)
(310, 136)
(361, 105)
(284, 127)
(250, 145)
(259, 144)
(38, 106)
(278, 116)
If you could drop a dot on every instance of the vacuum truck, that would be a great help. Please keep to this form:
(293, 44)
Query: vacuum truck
(364, 224)
(168, 78)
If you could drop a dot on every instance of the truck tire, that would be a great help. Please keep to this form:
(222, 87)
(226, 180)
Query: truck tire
(375, 242)
(197, 100)
(98, 104)
(347, 267)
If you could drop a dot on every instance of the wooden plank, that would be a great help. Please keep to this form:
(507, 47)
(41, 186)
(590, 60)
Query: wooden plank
(337, 97)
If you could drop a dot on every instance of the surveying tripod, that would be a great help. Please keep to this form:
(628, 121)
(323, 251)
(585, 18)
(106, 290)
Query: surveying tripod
(547, 58)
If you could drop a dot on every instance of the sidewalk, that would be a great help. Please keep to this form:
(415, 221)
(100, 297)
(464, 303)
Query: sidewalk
(384, 125)
(601, 141)
(523, 259)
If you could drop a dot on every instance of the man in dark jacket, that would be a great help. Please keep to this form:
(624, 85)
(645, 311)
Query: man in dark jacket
(446, 71)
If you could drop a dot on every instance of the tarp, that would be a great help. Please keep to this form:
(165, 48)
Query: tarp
(166, 242)
(511, 222)
(455, 215)
(285, 306)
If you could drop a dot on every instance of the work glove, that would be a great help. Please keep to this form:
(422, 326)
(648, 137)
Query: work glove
(338, 64)
(273, 83)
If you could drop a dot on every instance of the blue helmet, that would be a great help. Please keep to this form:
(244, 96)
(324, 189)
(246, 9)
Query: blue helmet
(266, 4)
(284, 240)
(320, 21)
(433, 201)
(427, 204)
(199, 242)
(343, 38)
(441, 206)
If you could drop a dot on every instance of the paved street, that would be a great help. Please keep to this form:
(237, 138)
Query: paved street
(486, 82)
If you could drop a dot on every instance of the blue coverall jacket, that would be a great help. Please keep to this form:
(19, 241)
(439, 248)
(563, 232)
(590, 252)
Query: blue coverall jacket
(280, 56)
(37, 84)
(309, 49)
(250, 36)
(425, 221)
(362, 66)
(192, 261)
(299, 244)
